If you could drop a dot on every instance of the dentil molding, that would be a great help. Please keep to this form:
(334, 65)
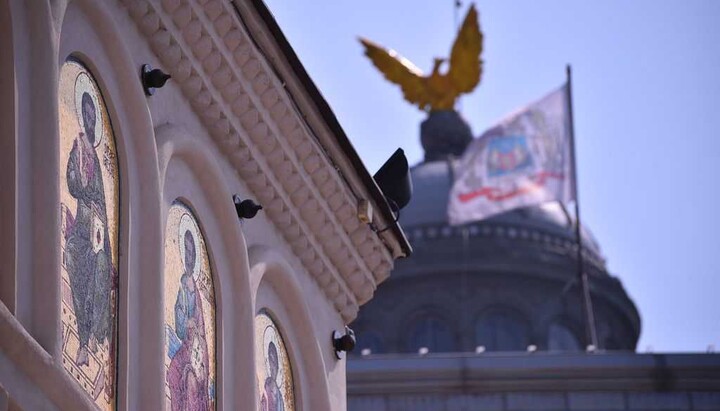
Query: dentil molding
(255, 123)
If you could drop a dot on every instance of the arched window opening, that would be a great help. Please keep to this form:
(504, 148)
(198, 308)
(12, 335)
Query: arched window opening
(611, 344)
(370, 341)
(433, 333)
(561, 338)
(502, 330)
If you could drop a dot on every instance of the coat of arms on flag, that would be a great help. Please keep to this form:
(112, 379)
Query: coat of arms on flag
(508, 154)
(523, 160)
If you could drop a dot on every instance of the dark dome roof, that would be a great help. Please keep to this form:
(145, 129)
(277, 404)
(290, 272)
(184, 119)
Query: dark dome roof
(431, 188)
(503, 283)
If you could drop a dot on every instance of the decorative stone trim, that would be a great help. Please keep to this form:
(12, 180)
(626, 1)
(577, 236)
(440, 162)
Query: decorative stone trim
(627, 373)
(34, 363)
(253, 121)
(551, 242)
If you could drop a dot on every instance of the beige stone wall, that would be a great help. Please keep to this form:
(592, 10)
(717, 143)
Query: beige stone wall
(224, 124)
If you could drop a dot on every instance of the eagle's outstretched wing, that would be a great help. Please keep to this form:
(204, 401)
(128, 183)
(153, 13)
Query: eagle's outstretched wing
(399, 70)
(465, 62)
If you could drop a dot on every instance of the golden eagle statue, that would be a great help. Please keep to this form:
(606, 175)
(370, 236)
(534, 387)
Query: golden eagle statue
(437, 91)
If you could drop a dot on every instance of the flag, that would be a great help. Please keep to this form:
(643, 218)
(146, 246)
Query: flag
(522, 161)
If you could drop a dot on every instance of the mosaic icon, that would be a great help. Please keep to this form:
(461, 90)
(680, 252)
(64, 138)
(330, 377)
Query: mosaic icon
(190, 367)
(272, 365)
(89, 204)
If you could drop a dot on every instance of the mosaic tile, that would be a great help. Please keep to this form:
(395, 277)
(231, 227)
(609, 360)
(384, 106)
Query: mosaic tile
(89, 204)
(272, 365)
(190, 366)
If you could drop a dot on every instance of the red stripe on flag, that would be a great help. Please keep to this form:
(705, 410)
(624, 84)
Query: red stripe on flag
(495, 194)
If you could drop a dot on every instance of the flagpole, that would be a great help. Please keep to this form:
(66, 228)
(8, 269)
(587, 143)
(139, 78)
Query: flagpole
(590, 332)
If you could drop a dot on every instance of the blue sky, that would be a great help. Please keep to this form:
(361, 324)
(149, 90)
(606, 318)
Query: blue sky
(646, 83)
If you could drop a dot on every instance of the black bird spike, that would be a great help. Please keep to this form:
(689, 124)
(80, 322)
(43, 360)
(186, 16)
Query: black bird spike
(153, 79)
(343, 343)
(247, 208)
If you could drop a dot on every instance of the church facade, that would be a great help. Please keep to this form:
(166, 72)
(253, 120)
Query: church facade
(190, 242)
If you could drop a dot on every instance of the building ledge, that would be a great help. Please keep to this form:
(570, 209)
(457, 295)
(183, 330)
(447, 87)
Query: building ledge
(492, 372)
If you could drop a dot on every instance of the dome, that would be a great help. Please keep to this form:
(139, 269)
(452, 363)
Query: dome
(501, 284)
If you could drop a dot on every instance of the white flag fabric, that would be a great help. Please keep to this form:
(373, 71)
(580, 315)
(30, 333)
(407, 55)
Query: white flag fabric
(522, 161)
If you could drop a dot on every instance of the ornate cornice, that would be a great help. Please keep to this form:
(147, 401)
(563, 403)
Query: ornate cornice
(252, 119)
(517, 235)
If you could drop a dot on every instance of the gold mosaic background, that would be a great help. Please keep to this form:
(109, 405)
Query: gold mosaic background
(185, 367)
(275, 392)
(93, 364)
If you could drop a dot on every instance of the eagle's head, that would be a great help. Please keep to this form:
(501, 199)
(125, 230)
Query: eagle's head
(437, 62)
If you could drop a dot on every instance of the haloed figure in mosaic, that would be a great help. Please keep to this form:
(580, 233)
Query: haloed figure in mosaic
(87, 252)
(187, 375)
(272, 366)
(272, 399)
